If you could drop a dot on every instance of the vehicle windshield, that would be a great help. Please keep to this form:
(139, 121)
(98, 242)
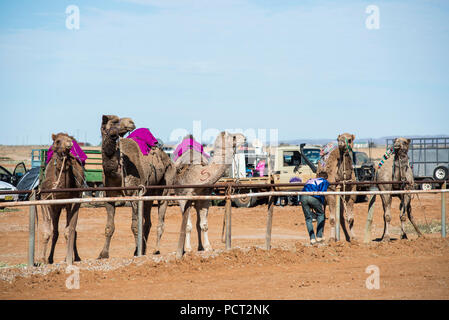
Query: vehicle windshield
(312, 154)
(28, 179)
(360, 158)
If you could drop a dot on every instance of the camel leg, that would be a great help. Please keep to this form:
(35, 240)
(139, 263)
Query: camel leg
(55, 214)
(410, 216)
(403, 218)
(147, 205)
(109, 230)
(350, 217)
(344, 219)
(331, 203)
(46, 231)
(70, 231)
(187, 246)
(202, 227)
(134, 224)
(386, 202)
(160, 224)
(185, 208)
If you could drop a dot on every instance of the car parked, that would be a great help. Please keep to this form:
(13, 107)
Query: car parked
(5, 186)
(12, 178)
(30, 181)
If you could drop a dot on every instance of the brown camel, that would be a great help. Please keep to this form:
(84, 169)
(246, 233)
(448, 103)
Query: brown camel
(339, 169)
(199, 173)
(396, 168)
(124, 159)
(62, 171)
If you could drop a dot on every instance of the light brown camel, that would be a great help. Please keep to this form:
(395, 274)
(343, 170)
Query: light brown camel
(124, 158)
(396, 168)
(195, 158)
(339, 168)
(62, 171)
(197, 174)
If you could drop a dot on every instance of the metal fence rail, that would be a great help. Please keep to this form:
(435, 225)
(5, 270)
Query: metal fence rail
(228, 197)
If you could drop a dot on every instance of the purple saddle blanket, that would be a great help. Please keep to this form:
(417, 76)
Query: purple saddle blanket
(76, 151)
(188, 144)
(144, 139)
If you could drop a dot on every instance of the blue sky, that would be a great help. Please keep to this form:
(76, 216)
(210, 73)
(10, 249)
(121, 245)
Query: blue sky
(310, 69)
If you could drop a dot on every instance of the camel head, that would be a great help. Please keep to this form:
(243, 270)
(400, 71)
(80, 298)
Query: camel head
(401, 146)
(126, 125)
(226, 144)
(62, 143)
(110, 126)
(346, 142)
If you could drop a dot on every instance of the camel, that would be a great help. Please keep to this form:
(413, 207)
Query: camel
(125, 165)
(339, 169)
(201, 174)
(186, 162)
(62, 171)
(396, 168)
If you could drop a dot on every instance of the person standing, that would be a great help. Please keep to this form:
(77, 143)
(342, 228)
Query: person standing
(314, 205)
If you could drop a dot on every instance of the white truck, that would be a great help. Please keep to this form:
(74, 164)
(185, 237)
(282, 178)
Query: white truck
(282, 164)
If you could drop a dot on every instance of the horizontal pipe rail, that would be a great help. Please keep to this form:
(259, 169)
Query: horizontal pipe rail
(215, 186)
(224, 197)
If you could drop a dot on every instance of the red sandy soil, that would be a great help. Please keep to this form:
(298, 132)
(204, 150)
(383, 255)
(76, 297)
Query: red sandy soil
(409, 269)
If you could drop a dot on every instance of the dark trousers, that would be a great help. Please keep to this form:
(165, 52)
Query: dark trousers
(312, 206)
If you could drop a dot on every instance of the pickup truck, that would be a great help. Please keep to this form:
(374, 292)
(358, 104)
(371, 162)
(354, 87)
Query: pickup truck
(283, 164)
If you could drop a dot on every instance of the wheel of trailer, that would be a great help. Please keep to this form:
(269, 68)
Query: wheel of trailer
(426, 186)
(245, 202)
(440, 173)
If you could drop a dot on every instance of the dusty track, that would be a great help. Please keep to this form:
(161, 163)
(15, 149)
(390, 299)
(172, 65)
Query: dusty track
(409, 269)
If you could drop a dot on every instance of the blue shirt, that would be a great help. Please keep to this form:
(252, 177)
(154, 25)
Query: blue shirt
(317, 184)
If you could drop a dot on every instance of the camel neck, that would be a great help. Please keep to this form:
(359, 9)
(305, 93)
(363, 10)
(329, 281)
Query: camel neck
(109, 146)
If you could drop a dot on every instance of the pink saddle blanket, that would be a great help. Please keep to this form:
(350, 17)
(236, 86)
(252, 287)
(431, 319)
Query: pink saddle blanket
(144, 139)
(76, 151)
(188, 144)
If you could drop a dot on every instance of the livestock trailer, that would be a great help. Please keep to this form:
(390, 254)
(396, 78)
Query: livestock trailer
(429, 158)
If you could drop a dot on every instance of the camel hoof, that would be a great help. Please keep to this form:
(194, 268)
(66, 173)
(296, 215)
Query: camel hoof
(386, 239)
(103, 255)
(404, 237)
(332, 240)
(187, 250)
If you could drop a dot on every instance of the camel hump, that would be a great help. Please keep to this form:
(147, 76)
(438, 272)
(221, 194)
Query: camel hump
(192, 157)
(131, 150)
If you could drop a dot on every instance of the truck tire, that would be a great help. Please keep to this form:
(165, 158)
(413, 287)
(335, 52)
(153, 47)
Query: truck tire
(246, 202)
(427, 186)
(440, 173)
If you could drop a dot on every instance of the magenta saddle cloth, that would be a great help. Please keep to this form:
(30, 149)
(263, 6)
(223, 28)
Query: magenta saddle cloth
(188, 144)
(144, 139)
(76, 151)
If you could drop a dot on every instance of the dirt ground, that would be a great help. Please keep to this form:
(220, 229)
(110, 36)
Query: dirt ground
(408, 269)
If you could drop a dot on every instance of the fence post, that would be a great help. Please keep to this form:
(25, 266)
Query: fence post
(369, 219)
(31, 232)
(139, 227)
(228, 218)
(271, 201)
(443, 211)
(337, 218)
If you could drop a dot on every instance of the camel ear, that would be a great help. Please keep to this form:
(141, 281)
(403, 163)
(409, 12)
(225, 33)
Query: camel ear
(53, 136)
(353, 138)
(105, 119)
(408, 141)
